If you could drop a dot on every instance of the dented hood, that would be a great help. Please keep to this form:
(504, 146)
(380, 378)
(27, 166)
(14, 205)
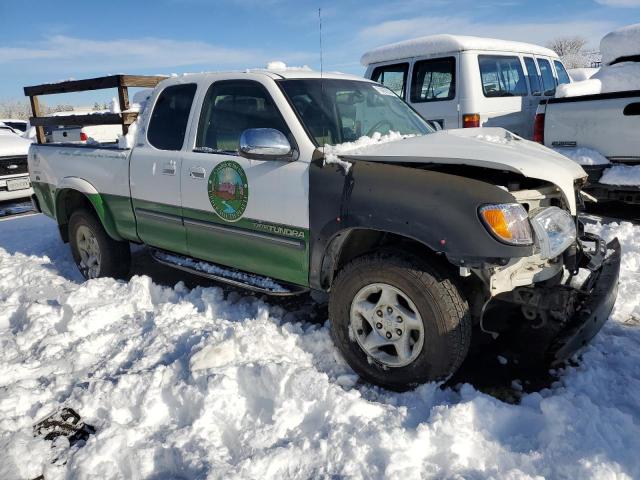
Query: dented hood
(493, 148)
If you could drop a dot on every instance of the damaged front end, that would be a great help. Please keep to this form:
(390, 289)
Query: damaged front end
(570, 311)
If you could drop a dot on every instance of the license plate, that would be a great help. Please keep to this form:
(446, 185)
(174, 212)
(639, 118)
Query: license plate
(18, 184)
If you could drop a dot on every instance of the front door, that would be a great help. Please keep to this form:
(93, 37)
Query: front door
(251, 215)
(155, 171)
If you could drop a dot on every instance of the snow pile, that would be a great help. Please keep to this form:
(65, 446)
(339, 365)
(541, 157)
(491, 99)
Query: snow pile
(615, 78)
(624, 42)
(332, 152)
(621, 175)
(437, 44)
(579, 74)
(278, 65)
(502, 140)
(198, 384)
(583, 156)
(624, 76)
(138, 105)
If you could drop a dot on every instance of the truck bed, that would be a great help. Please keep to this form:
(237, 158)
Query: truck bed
(607, 122)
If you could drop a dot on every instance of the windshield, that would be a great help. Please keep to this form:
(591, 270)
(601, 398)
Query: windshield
(339, 111)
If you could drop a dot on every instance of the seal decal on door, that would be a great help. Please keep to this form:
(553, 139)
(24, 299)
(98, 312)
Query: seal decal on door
(228, 190)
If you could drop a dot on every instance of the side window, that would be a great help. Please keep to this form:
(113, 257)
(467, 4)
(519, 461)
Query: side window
(433, 80)
(563, 76)
(532, 75)
(502, 76)
(394, 77)
(168, 123)
(230, 108)
(548, 80)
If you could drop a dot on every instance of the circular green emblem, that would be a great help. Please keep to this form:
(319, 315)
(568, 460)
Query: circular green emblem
(228, 190)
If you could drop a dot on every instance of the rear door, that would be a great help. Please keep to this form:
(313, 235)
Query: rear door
(251, 215)
(155, 170)
(433, 91)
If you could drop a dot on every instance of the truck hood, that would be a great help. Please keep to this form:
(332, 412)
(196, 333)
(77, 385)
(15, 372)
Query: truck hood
(12, 144)
(494, 148)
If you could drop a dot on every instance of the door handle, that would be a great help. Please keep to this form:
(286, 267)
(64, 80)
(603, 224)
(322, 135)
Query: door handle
(633, 109)
(197, 172)
(169, 168)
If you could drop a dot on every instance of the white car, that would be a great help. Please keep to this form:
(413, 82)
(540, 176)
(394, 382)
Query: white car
(462, 81)
(20, 126)
(14, 177)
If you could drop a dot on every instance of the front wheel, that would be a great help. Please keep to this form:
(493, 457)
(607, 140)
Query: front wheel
(96, 254)
(399, 321)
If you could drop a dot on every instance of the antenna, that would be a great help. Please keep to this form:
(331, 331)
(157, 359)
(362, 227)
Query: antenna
(320, 24)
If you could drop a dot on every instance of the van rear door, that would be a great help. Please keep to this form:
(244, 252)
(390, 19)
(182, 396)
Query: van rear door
(433, 91)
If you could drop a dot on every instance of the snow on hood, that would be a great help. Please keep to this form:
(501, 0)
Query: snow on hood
(624, 42)
(12, 144)
(493, 148)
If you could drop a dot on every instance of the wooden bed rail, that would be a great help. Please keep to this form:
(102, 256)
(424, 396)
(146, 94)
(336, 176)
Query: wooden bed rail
(121, 82)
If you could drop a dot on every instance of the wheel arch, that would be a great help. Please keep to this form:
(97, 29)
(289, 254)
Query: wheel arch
(348, 244)
(74, 193)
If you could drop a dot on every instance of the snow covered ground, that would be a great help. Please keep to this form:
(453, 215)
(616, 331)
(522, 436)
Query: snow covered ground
(201, 383)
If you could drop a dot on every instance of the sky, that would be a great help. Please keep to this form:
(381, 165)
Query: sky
(47, 41)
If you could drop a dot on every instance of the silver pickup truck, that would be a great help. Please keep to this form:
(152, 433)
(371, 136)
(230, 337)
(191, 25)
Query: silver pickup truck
(421, 242)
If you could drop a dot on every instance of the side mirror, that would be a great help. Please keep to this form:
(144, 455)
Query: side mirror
(264, 144)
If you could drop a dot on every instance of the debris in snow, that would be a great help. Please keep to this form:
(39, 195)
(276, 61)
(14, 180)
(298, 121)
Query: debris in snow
(583, 156)
(274, 400)
(437, 44)
(621, 175)
(332, 152)
(623, 42)
(65, 422)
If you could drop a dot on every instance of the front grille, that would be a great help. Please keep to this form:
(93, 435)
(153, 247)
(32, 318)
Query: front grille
(13, 165)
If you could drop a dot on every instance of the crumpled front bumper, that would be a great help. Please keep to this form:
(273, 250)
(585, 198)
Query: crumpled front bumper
(599, 293)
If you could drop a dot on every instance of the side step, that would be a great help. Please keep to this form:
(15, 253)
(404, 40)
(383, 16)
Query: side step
(237, 278)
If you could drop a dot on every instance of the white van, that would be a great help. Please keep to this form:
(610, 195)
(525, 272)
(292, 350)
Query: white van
(461, 81)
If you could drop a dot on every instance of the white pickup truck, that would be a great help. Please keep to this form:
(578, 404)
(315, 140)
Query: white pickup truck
(601, 114)
(418, 237)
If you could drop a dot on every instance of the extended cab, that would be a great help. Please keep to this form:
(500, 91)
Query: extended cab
(417, 236)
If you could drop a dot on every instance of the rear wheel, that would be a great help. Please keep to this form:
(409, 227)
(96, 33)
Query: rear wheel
(96, 254)
(399, 321)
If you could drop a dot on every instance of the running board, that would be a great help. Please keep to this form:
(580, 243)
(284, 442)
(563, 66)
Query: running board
(230, 276)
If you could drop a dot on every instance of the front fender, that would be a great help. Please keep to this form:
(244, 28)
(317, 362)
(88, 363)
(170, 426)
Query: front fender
(437, 209)
(75, 184)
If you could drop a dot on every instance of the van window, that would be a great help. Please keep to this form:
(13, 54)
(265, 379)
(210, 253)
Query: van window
(394, 77)
(563, 76)
(532, 74)
(433, 80)
(170, 116)
(230, 108)
(502, 76)
(548, 80)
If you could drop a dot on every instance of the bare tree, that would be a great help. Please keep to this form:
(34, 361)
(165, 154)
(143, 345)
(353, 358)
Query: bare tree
(571, 51)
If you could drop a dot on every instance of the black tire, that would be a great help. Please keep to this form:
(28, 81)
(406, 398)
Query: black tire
(445, 317)
(115, 256)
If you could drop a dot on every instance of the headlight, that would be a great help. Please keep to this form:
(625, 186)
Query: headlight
(508, 222)
(555, 231)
